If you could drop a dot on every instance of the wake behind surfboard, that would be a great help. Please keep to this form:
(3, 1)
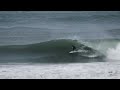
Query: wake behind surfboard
(85, 53)
(89, 56)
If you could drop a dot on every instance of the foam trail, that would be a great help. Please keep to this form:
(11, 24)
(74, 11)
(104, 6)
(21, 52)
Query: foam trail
(113, 53)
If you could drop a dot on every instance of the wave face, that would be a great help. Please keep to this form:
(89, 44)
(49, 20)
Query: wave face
(51, 51)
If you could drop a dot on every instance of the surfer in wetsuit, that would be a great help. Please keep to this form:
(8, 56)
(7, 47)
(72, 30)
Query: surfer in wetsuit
(73, 47)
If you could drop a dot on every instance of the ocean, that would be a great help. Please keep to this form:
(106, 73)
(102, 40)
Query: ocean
(46, 37)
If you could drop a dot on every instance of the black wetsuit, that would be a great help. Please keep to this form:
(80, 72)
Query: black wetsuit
(73, 47)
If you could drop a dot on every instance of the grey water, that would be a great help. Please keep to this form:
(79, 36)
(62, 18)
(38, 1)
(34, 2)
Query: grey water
(47, 36)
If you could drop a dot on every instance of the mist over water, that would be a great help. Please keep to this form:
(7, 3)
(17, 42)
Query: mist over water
(47, 37)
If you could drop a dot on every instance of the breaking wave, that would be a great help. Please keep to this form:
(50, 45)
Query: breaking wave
(52, 51)
(58, 51)
(113, 53)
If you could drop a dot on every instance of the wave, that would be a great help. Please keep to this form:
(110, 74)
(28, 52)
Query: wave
(53, 46)
(52, 51)
(58, 51)
(29, 28)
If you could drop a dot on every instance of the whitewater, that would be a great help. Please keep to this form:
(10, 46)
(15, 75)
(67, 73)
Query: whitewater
(36, 44)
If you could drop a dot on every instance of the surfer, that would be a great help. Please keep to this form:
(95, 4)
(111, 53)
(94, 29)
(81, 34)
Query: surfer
(73, 47)
(73, 50)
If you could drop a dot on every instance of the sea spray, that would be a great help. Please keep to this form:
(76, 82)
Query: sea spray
(113, 53)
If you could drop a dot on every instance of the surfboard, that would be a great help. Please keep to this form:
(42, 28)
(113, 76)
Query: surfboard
(78, 51)
(73, 52)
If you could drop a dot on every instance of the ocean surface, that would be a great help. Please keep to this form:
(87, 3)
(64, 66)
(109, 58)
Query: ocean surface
(45, 37)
